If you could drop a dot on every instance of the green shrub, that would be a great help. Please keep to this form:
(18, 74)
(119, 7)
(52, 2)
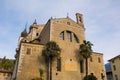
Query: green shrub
(90, 77)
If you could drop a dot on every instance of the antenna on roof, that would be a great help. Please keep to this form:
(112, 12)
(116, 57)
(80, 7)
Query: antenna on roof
(67, 15)
(35, 22)
(51, 17)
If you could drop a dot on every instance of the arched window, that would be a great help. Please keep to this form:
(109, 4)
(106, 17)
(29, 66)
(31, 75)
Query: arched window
(28, 51)
(69, 36)
(61, 36)
(37, 34)
(76, 39)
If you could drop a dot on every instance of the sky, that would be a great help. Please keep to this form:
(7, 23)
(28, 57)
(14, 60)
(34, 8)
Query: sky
(101, 20)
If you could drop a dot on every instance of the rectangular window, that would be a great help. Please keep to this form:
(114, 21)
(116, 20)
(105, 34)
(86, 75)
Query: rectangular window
(91, 59)
(102, 76)
(116, 77)
(28, 51)
(81, 66)
(69, 36)
(59, 64)
(114, 67)
(99, 60)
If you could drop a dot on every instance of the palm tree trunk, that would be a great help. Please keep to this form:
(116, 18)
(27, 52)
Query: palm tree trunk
(86, 66)
(50, 68)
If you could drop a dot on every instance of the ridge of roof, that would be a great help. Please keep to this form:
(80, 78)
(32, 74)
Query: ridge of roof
(118, 56)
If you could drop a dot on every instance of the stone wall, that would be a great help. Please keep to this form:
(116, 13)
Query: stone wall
(30, 63)
(115, 65)
(96, 65)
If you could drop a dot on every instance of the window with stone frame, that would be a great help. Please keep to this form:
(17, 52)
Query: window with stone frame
(61, 36)
(28, 51)
(59, 64)
(114, 67)
(69, 36)
(116, 77)
(37, 34)
(76, 39)
(99, 60)
(102, 76)
(91, 60)
(81, 66)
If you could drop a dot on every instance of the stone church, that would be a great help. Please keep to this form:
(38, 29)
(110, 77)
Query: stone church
(68, 34)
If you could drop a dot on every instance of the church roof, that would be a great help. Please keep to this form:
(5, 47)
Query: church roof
(114, 58)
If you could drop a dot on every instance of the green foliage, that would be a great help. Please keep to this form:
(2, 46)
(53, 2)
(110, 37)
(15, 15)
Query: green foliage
(51, 50)
(6, 64)
(90, 77)
(85, 52)
(86, 49)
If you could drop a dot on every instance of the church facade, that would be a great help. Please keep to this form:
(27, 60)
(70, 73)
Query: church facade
(68, 34)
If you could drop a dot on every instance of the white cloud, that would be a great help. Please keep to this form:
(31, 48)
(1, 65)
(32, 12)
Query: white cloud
(101, 20)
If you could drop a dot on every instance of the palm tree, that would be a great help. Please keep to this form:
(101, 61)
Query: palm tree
(85, 52)
(50, 51)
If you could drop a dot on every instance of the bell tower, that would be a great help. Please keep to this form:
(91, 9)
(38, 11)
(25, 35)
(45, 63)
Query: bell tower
(79, 18)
